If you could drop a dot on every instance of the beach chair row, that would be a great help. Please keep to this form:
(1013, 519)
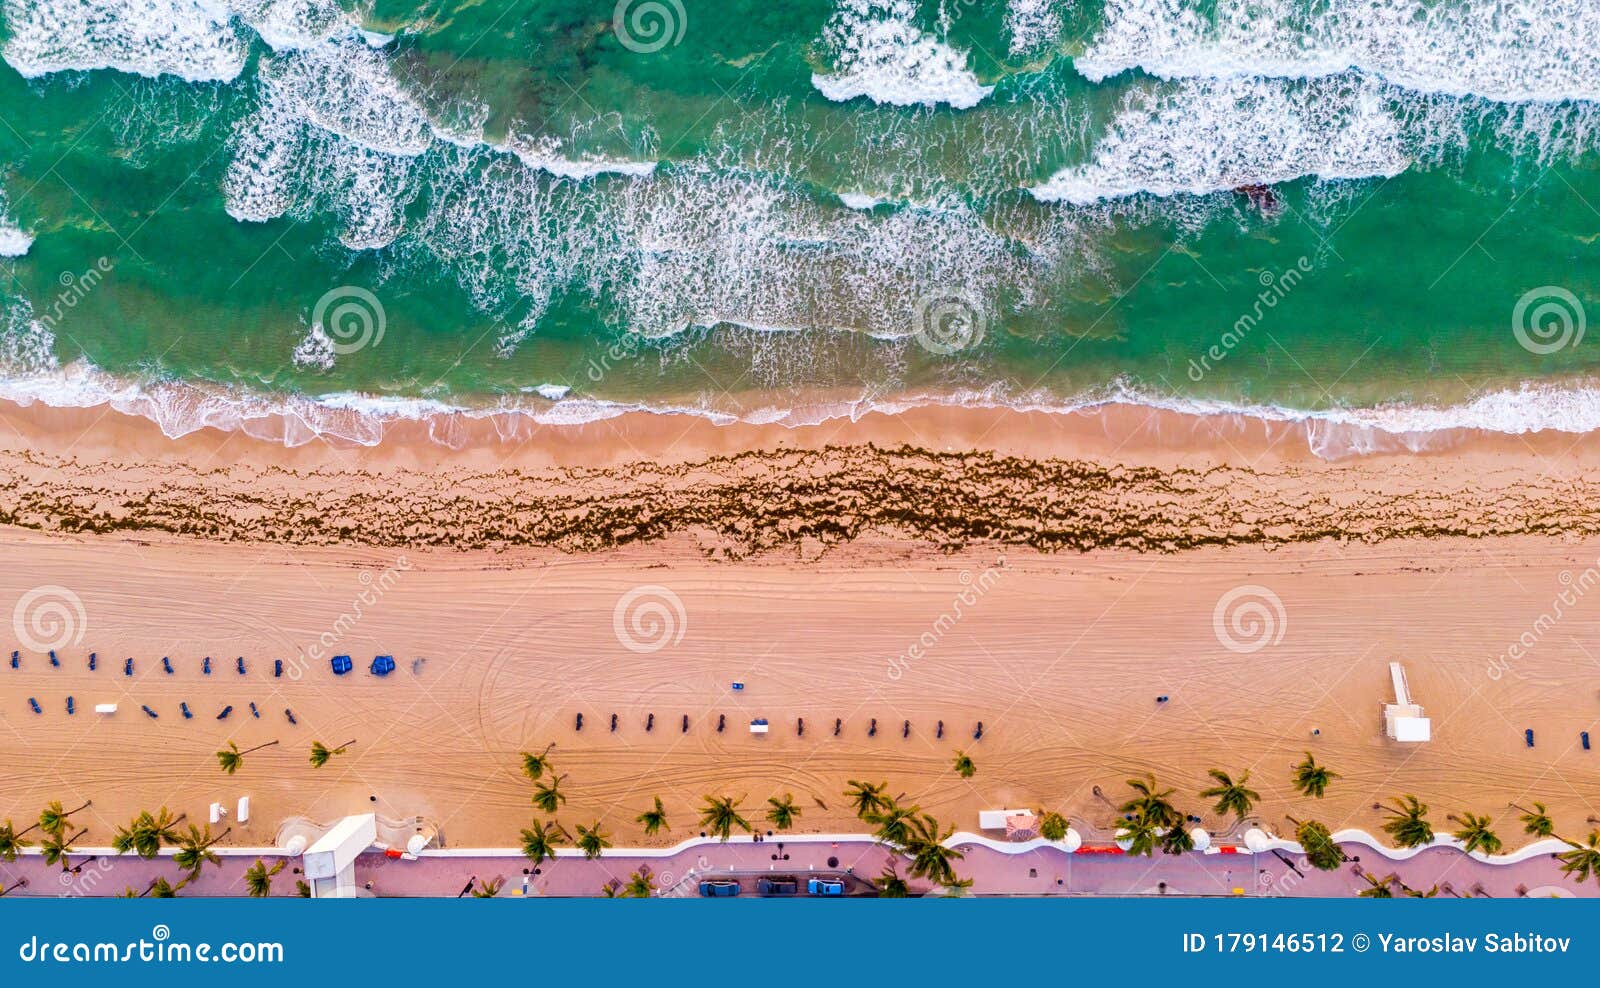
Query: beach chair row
(761, 725)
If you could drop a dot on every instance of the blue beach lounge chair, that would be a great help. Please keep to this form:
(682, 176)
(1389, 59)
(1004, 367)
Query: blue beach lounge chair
(148, 712)
(290, 714)
(184, 706)
(241, 665)
(166, 665)
(1584, 737)
(253, 711)
(225, 712)
(277, 668)
(92, 661)
(1528, 736)
(127, 667)
(35, 705)
(72, 707)
(53, 660)
(205, 667)
(16, 660)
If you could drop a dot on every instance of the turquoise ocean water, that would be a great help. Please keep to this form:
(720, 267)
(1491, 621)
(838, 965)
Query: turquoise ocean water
(1376, 211)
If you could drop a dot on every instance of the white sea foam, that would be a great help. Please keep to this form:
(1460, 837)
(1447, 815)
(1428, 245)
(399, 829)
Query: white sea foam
(1214, 135)
(287, 24)
(14, 241)
(878, 51)
(545, 154)
(860, 200)
(194, 39)
(1033, 24)
(1501, 50)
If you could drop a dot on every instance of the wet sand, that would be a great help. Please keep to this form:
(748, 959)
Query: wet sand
(502, 570)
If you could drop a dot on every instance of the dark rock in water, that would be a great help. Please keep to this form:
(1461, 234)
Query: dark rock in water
(1262, 197)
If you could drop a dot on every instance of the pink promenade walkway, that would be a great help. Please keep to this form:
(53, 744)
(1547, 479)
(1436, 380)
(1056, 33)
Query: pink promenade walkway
(1043, 871)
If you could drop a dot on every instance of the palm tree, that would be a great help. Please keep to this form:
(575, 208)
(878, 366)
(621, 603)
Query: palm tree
(194, 849)
(11, 842)
(57, 845)
(320, 754)
(868, 798)
(53, 819)
(1377, 888)
(721, 815)
(1140, 833)
(1413, 893)
(894, 822)
(930, 859)
(548, 795)
(1408, 823)
(1052, 825)
(1312, 779)
(18, 884)
(146, 833)
(258, 878)
(1475, 834)
(1177, 840)
(533, 766)
(653, 819)
(160, 888)
(1151, 802)
(592, 840)
(963, 765)
(1318, 845)
(489, 889)
(539, 841)
(781, 813)
(639, 884)
(891, 885)
(1536, 822)
(1584, 859)
(230, 758)
(1232, 797)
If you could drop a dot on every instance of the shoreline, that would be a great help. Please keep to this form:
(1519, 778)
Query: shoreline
(1122, 478)
(180, 410)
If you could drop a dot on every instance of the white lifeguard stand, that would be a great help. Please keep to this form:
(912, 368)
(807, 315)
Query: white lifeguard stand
(1402, 719)
(330, 863)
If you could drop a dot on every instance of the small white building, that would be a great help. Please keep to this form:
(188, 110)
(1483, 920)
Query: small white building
(1402, 719)
(996, 819)
(330, 863)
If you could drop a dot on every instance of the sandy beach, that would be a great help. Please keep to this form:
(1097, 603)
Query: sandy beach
(1048, 576)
